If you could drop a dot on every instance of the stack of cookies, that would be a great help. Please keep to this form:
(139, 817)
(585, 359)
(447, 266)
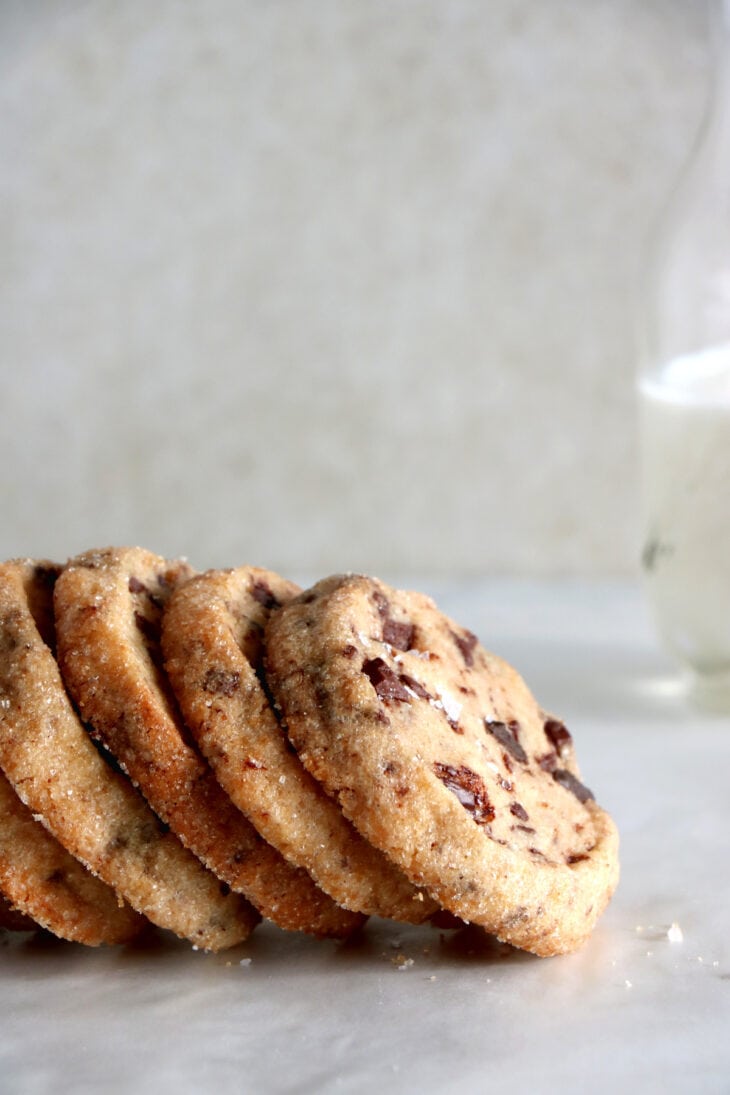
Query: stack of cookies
(202, 750)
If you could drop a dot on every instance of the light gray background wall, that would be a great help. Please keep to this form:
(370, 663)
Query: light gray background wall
(340, 284)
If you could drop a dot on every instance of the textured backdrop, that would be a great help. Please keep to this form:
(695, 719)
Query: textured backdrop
(332, 285)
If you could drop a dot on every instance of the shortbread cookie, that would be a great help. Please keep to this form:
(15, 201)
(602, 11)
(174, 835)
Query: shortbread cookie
(92, 810)
(108, 608)
(439, 754)
(41, 880)
(212, 639)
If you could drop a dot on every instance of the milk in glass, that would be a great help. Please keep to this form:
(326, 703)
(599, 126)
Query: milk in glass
(685, 438)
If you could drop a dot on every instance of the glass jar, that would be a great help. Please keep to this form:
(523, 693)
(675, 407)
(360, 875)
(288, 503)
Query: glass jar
(684, 400)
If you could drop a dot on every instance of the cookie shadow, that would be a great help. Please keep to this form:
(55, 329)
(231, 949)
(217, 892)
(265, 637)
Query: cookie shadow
(269, 950)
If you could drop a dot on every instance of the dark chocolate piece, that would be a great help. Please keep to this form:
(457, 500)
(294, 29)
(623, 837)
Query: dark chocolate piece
(469, 789)
(415, 686)
(559, 736)
(398, 635)
(549, 761)
(506, 736)
(386, 683)
(568, 780)
(466, 641)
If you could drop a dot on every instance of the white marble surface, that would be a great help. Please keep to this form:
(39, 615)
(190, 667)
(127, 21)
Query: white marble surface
(332, 284)
(633, 1011)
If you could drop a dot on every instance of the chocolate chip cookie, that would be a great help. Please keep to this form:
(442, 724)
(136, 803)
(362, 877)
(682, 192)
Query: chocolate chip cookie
(108, 607)
(212, 640)
(438, 753)
(91, 809)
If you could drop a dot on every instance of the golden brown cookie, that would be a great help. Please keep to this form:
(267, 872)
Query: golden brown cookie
(212, 640)
(93, 811)
(108, 608)
(439, 754)
(53, 890)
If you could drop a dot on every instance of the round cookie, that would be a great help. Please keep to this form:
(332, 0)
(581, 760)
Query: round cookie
(108, 609)
(53, 890)
(212, 641)
(439, 754)
(92, 810)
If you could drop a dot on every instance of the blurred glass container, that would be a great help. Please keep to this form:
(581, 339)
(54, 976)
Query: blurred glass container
(684, 398)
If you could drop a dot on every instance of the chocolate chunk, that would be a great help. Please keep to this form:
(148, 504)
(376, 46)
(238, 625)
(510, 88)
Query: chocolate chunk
(349, 651)
(548, 761)
(386, 683)
(505, 735)
(567, 779)
(469, 789)
(382, 604)
(221, 682)
(399, 635)
(135, 586)
(575, 858)
(559, 736)
(415, 686)
(262, 593)
(519, 811)
(466, 641)
(522, 829)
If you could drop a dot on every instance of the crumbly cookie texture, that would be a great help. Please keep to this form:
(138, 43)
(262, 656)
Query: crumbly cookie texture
(108, 607)
(438, 753)
(212, 639)
(92, 810)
